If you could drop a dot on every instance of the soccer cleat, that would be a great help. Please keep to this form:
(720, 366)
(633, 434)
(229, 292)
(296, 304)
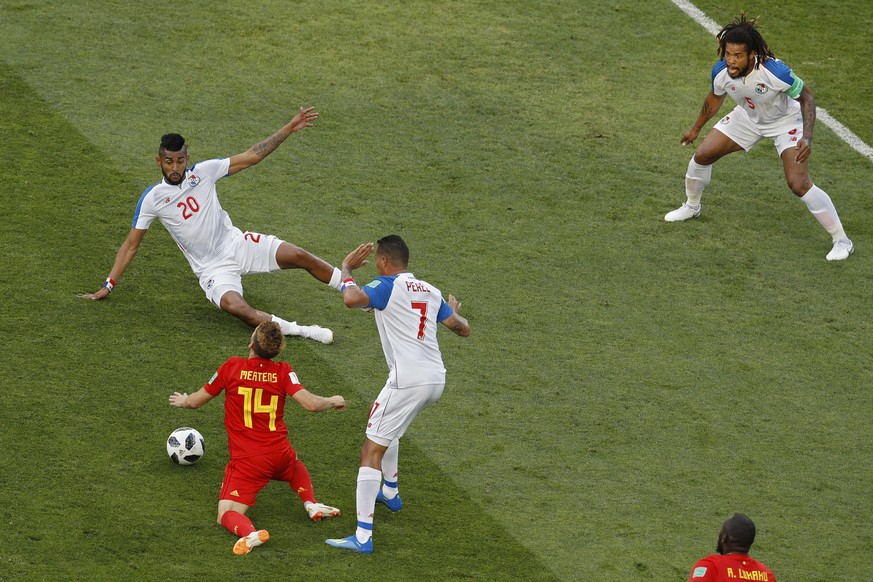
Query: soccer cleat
(319, 511)
(684, 212)
(313, 332)
(244, 545)
(841, 251)
(352, 543)
(394, 504)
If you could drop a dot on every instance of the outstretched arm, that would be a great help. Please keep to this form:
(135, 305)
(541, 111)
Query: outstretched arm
(259, 151)
(184, 400)
(353, 296)
(807, 113)
(315, 403)
(123, 258)
(711, 105)
(455, 322)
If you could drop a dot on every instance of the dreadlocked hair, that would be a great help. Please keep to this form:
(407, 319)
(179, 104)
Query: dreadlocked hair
(268, 340)
(743, 30)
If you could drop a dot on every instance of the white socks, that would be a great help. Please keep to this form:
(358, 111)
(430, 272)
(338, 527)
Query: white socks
(288, 328)
(822, 207)
(335, 281)
(696, 181)
(389, 470)
(369, 480)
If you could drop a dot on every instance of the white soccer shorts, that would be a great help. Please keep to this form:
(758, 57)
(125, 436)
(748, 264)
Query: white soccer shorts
(395, 409)
(737, 126)
(252, 253)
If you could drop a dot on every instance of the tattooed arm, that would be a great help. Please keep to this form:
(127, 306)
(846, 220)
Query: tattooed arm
(710, 107)
(259, 151)
(807, 112)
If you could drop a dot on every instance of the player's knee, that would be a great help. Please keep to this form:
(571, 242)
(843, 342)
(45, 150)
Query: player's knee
(235, 305)
(799, 185)
(704, 158)
(290, 256)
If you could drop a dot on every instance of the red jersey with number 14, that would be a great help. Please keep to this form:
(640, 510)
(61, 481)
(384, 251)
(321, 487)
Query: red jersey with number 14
(254, 403)
(730, 568)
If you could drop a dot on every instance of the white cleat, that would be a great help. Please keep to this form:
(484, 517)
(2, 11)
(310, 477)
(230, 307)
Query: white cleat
(313, 332)
(841, 251)
(319, 511)
(684, 212)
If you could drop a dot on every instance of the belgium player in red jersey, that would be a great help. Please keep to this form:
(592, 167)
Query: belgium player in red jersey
(254, 404)
(732, 562)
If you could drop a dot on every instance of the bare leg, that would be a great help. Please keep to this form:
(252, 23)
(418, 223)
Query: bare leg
(291, 256)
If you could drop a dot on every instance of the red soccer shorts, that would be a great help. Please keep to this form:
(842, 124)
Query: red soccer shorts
(244, 478)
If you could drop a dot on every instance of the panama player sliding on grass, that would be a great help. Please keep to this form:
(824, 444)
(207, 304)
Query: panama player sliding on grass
(257, 436)
(186, 203)
(772, 102)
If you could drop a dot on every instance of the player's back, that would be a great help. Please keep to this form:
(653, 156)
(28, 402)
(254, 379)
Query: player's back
(730, 568)
(408, 329)
(254, 405)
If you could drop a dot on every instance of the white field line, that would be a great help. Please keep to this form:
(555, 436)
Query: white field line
(843, 132)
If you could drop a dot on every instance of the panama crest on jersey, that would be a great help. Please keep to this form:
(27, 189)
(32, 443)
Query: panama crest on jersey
(193, 180)
(761, 88)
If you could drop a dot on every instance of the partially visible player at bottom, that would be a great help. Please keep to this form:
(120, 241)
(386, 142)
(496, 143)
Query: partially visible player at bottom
(254, 406)
(732, 562)
(407, 311)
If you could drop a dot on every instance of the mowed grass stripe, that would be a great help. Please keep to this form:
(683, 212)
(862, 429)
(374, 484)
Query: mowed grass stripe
(91, 492)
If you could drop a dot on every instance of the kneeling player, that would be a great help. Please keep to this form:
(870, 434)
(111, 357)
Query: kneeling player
(254, 405)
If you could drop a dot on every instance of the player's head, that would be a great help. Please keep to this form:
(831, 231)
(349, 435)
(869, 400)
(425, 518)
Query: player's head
(737, 535)
(742, 47)
(267, 340)
(173, 158)
(392, 255)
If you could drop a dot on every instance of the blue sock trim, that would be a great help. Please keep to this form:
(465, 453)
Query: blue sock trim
(388, 483)
(365, 525)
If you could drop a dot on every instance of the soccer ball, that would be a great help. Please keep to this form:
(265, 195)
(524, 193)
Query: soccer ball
(185, 446)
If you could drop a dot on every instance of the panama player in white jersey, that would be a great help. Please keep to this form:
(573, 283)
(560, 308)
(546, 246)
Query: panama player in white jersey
(772, 102)
(186, 203)
(407, 311)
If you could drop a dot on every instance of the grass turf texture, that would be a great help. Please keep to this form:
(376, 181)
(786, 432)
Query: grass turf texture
(629, 383)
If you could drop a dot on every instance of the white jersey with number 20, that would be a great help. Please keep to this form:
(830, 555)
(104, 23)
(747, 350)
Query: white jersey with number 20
(192, 214)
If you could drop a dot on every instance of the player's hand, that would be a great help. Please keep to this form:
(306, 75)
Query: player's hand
(804, 149)
(358, 257)
(453, 303)
(339, 403)
(103, 292)
(304, 118)
(178, 399)
(689, 136)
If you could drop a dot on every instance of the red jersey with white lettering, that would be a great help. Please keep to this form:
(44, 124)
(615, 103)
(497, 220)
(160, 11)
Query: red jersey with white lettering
(254, 403)
(730, 568)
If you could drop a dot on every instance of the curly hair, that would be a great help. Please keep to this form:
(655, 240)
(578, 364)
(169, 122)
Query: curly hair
(744, 31)
(268, 340)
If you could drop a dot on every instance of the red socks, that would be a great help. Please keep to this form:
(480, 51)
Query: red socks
(237, 523)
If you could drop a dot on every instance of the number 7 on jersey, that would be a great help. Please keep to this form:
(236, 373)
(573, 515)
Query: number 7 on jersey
(421, 307)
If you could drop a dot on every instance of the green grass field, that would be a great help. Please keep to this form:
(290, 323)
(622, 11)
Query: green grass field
(629, 383)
